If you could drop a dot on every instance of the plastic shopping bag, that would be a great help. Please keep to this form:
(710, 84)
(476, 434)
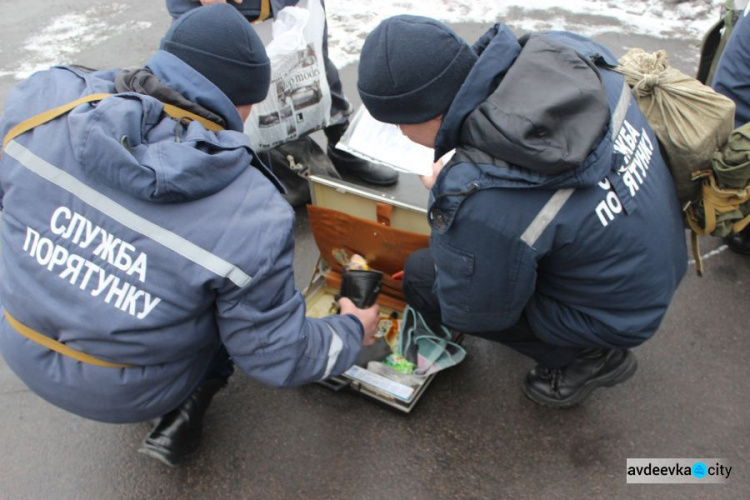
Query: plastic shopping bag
(427, 350)
(299, 98)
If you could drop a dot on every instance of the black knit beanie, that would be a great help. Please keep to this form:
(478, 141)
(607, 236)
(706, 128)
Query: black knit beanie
(411, 68)
(220, 44)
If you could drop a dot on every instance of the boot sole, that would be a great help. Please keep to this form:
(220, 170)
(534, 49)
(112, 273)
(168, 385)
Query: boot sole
(626, 370)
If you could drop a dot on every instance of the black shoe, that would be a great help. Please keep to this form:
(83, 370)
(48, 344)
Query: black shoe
(346, 163)
(293, 161)
(569, 386)
(739, 242)
(369, 172)
(177, 435)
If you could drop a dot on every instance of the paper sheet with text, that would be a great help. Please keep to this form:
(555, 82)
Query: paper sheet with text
(384, 143)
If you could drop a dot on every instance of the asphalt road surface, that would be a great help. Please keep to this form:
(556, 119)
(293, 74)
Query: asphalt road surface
(474, 434)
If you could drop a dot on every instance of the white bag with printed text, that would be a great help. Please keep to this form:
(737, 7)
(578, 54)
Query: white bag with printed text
(299, 98)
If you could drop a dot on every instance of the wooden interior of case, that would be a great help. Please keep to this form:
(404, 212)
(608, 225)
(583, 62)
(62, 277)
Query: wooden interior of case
(404, 215)
(385, 248)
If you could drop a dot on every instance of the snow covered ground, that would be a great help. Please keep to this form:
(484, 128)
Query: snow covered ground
(350, 21)
(65, 36)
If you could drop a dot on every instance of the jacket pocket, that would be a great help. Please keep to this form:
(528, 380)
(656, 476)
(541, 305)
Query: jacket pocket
(455, 270)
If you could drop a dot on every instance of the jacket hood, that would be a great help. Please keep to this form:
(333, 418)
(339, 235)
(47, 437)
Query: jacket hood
(126, 141)
(498, 48)
(538, 109)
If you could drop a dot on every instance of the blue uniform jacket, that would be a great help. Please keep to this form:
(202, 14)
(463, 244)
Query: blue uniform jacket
(732, 76)
(143, 241)
(533, 122)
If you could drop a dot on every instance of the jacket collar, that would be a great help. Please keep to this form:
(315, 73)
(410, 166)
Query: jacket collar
(178, 75)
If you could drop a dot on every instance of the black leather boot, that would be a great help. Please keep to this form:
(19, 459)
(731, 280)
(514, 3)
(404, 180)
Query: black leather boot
(346, 163)
(293, 162)
(569, 386)
(177, 435)
(739, 242)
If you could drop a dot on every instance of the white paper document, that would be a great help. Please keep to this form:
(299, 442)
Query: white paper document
(384, 143)
(400, 391)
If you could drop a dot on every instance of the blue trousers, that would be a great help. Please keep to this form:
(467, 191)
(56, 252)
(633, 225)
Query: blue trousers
(419, 280)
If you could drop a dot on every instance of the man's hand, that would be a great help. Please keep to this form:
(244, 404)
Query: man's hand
(369, 317)
(429, 180)
(209, 2)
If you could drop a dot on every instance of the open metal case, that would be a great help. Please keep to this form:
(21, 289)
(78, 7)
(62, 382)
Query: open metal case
(384, 225)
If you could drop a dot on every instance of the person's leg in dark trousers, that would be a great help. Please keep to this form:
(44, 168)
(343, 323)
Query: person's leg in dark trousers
(419, 279)
(177, 435)
(340, 107)
(564, 376)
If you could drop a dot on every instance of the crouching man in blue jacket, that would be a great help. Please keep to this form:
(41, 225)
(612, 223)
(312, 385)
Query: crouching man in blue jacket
(144, 244)
(555, 227)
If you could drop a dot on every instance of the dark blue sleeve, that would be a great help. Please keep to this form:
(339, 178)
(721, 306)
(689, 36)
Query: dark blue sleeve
(732, 77)
(250, 8)
(277, 5)
(176, 8)
(265, 328)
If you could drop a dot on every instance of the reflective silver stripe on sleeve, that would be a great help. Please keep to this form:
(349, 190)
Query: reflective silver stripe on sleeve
(621, 109)
(333, 352)
(546, 215)
(129, 219)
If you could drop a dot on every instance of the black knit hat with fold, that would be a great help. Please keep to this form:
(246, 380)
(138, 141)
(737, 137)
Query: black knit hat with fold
(220, 44)
(411, 68)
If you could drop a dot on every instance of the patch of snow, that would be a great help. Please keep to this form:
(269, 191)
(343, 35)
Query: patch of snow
(349, 22)
(67, 35)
